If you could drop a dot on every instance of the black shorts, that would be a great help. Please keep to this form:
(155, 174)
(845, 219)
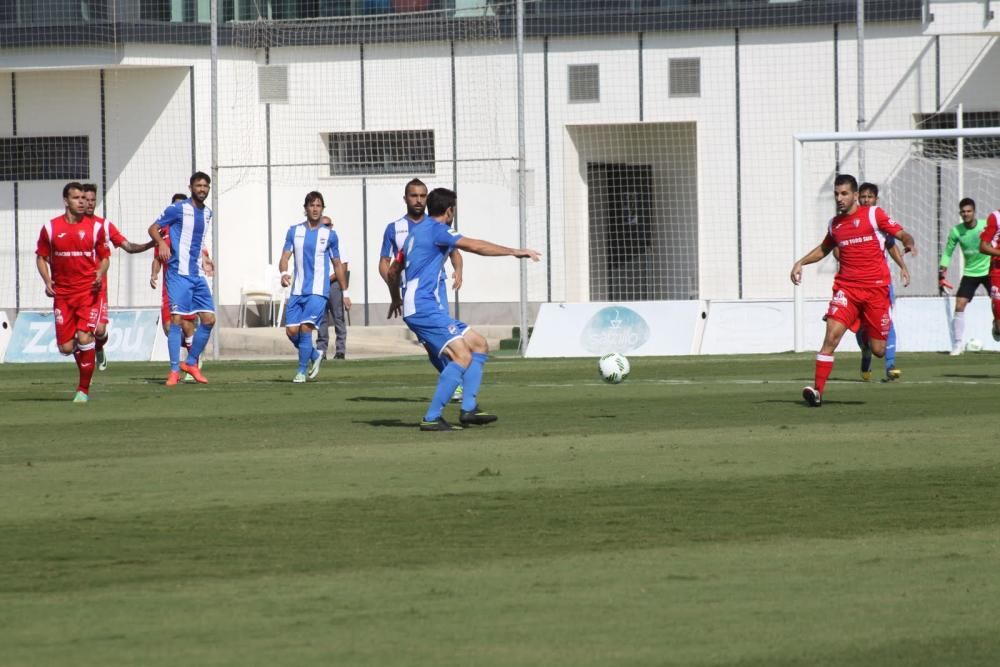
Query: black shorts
(967, 288)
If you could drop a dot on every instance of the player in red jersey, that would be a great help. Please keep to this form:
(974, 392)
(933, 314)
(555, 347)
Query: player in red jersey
(861, 286)
(117, 239)
(72, 258)
(989, 244)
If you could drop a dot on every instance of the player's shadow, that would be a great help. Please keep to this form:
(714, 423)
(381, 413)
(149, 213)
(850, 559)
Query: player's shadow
(969, 376)
(802, 403)
(388, 423)
(39, 399)
(388, 399)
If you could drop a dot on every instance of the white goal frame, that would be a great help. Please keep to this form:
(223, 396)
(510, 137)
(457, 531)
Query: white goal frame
(835, 137)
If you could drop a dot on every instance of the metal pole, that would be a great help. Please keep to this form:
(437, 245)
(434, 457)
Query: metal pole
(214, 54)
(798, 306)
(960, 147)
(861, 86)
(522, 209)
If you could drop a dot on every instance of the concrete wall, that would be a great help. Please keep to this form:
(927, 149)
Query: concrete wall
(739, 187)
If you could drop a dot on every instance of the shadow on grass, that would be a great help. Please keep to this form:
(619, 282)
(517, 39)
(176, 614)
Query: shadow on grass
(969, 376)
(388, 423)
(387, 399)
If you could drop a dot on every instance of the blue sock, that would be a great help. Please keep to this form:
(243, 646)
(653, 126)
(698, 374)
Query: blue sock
(866, 351)
(890, 349)
(201, 336)
(450, 378)
(471, 381)
(174, 336)
(305, 349)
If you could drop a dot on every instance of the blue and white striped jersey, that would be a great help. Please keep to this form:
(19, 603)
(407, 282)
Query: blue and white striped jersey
(314, 249)
(190, 231)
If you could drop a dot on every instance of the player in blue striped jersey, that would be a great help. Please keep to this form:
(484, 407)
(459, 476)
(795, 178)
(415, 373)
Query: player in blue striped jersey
(463, 349)
(190, 229)
(396, 232)
(315, 248)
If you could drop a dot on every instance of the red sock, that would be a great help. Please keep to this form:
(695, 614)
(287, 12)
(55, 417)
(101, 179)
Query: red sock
(99, 342)
(85, 357)
(824, 366)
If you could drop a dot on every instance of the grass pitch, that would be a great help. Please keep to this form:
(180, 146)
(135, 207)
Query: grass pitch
(699, 514)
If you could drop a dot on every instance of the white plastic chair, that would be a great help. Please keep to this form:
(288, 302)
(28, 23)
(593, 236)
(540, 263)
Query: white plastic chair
(268, 291)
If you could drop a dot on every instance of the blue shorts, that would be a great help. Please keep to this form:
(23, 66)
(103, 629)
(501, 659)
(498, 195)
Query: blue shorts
(435, 330)
(189, 294)
(305, 309)
(892, 295)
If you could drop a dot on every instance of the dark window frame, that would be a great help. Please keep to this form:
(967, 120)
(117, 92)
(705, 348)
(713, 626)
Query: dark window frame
(381, 152)
(55, 158)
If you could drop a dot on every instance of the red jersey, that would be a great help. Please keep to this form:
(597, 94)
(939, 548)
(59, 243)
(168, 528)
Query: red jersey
(992, 236)
(861, 238)
(74, 252)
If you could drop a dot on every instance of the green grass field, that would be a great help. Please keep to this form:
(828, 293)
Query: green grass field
(699, 514)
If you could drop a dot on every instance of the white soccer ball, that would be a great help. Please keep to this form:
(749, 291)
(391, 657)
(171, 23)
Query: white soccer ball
(974, 345)
(614, 368)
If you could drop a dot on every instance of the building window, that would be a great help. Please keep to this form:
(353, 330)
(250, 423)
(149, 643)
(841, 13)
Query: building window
(381, 152)
(947, 149)
(44, 158)
(685, 77)
(584, 83)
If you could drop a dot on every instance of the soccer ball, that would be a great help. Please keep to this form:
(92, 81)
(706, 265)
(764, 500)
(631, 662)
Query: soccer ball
(614, 368)
(974, 345)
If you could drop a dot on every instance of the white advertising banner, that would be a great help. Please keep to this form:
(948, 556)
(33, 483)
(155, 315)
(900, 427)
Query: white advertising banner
(635, 328)
(130, 336)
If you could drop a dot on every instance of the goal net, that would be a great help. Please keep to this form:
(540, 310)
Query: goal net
(921, 176)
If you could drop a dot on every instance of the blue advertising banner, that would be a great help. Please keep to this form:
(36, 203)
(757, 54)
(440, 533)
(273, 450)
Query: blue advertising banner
(131, 334)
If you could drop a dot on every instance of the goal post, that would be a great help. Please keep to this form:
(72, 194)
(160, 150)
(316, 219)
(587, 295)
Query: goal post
(921, 174)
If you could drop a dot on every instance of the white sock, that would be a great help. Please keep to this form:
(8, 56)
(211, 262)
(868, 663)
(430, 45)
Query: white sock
(188, 340)
(958, 328)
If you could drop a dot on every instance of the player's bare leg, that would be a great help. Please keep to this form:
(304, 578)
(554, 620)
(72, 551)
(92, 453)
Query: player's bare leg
(824, 361)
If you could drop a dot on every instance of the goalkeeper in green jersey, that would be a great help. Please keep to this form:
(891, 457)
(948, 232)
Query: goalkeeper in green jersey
(976, 271)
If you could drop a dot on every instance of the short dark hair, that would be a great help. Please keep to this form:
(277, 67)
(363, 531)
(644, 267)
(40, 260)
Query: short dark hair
(313, 196)
(199, 176)
(968, 201)
(414, 182)
(180, 196)
(440, 200)
(72, 185)
(846, 179)
(868, 187)
(89, 187)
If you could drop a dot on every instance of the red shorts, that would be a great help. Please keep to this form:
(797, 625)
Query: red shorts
(862, 306)
(102, 315)
(995, 294)
(78, 312)
(165, 309)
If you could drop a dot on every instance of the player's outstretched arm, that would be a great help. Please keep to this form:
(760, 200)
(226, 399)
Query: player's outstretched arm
(162, 249)
(909, 245)
(987, 249)
(488, 249)
(811, 257)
